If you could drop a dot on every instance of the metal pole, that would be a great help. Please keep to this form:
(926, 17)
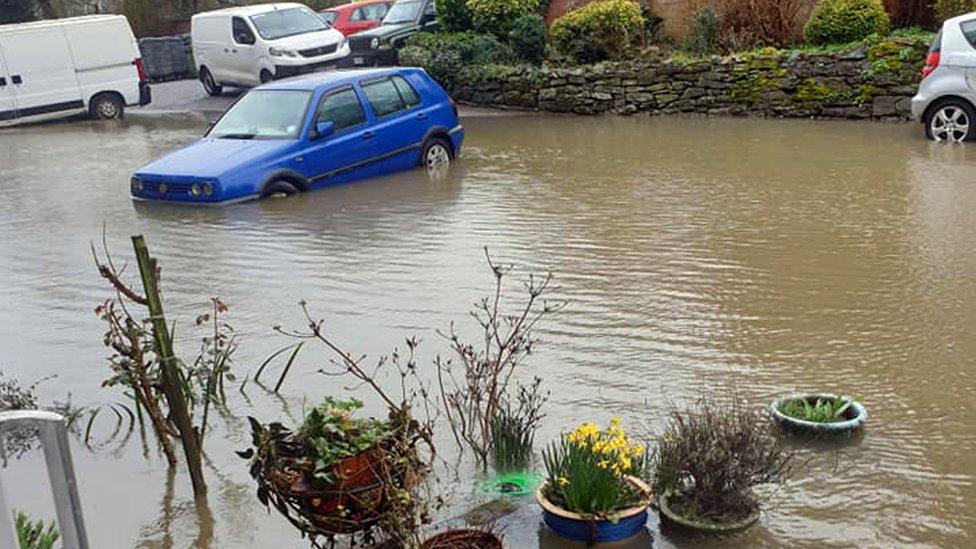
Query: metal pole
(60, 472)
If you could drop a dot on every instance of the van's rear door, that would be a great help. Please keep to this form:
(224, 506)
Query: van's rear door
(41, 71)
(8, 103)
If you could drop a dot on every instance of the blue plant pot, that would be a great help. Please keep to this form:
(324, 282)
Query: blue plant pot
(573, 526)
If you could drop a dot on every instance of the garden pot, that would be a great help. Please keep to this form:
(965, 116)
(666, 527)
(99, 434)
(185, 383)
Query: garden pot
(669, 516)
(463, 539)
(574, 526)
(854, 416)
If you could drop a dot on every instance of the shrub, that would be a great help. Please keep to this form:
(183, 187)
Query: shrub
(454, 15)
(496, 17)
(842, 21)
(910, 13)
(16, 11)
(705, 35)
(528, 38)
(750, 23)
(605, 29)
(711, 456)
(944, 9)
(443, 55)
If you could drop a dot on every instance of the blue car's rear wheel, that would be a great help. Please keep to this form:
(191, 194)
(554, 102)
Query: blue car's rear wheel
(279, 188)
(436, 157)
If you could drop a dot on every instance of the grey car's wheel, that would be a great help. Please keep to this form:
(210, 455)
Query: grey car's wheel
(106, 106)
(952, 121)
(279, 189)
(209, 84)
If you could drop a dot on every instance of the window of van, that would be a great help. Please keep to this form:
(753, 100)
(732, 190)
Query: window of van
(275, 24)
(242, 32)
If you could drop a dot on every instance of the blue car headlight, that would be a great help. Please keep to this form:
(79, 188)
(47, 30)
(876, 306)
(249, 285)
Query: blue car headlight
(207, 189)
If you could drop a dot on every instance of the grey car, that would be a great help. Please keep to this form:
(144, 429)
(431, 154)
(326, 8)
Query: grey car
(947, 94)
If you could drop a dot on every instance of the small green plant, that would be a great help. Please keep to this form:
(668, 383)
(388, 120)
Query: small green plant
(944, 9)
(513, 429)
(842, 21)
(332, 434)
(586, 469)
(821, 410)
(528, 38)
(705, 35)
(497, 17)
(712, 455)
(604, 29)
(443, 55)
(34, 535)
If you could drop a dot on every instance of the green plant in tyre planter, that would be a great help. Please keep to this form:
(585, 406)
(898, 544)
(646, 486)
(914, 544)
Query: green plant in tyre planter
(843, 21)
(821, 410)
(605, 29)
(709, 459)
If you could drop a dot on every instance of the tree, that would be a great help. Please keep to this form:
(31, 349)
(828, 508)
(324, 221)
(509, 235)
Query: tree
(16, 11)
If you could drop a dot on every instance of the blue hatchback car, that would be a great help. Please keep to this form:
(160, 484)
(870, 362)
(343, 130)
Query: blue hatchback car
(311, 131)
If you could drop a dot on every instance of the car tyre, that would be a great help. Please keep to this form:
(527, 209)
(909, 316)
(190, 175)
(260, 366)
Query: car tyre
(106, 106)
(265, 76)
(279, 188)
(951, 120)
(209, 84)
(436, 157)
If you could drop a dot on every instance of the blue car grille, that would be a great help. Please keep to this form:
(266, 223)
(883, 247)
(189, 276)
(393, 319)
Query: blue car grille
(170, 188)
(315, 52)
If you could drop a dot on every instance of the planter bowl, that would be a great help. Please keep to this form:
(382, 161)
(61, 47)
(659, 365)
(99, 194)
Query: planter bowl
(669, 516)
(854, 416)
(463, 539)
(622, 525)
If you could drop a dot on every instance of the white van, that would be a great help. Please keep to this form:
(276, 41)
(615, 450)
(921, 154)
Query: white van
(249, 45)
(61, 67)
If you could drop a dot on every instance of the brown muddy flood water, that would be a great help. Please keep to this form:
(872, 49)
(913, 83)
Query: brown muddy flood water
(695, 254)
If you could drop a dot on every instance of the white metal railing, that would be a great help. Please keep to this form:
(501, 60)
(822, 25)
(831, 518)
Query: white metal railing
(60, 471)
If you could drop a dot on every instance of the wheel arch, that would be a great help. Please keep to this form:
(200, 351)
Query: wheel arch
(291, 176)
(942, 100)
(440, 132)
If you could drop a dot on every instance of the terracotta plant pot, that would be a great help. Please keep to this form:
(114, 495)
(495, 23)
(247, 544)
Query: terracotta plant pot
(854, 416)
(619, 526)
(670, 516)
(463, 539)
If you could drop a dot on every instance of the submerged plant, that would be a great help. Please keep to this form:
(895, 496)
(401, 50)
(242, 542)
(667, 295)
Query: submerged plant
(821, 410)
(332, 433)
(586, 469)
(712, 455)
(34, 535)
(513, 429)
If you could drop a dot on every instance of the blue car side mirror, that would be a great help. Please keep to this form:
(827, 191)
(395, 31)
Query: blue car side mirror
(323, 129)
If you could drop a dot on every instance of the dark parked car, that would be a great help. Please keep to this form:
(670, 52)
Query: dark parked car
(379, 45)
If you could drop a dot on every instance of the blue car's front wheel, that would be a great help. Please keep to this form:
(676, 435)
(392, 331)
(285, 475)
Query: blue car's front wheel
(279, 188)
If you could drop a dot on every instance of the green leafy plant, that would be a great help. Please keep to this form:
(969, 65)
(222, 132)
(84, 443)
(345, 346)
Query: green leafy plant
(454, 15)
(705, 35)
(820, 410)
(513, 428)
(496, 17)
(842, 21)
(945, 9)
(331, 433)
(604, 29)
(35, 535)
(444, 55)
(528, 38)
(712, 455)
(586, 470)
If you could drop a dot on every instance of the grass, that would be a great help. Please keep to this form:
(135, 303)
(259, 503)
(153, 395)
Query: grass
(823, 410)
(34, 535)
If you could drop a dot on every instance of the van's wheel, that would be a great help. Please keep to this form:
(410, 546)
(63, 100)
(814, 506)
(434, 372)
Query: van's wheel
(279, 188)
(106, 106)
(209, 84)
(266, 76)
(952, 121)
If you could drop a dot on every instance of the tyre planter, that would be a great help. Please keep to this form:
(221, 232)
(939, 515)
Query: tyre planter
(463, 539)
(672, 517)
(619, 526)
(854, 416)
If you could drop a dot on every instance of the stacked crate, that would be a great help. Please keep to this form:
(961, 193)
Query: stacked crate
(167, 58)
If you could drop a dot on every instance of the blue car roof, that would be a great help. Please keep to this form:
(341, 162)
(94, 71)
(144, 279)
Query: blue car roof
(318, 80)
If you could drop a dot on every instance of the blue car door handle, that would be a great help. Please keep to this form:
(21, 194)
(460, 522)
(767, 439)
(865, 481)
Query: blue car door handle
(368, 135)
(422, 115)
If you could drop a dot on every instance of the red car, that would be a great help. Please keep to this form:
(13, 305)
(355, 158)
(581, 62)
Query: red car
(357, 16)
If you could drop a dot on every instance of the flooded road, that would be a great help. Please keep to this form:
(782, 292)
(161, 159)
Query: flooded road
(696, 255)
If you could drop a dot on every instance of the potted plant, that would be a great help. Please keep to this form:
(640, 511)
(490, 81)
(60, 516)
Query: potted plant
(819, 413)
(463, 538)
(592, 491)
(328, 476)
(707, 463)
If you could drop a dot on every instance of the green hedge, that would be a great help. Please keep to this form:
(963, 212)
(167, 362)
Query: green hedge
(842, 21)
(605, 29)
(454, 15)
(443, 55)
(497, 16)
(528, 38)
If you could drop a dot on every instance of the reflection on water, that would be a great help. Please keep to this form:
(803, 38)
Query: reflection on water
(695, 254)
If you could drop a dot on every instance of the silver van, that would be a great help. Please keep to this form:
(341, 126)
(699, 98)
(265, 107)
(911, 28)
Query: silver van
(947, 93)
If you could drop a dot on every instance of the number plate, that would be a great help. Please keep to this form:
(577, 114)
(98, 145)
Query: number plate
(357, 60)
